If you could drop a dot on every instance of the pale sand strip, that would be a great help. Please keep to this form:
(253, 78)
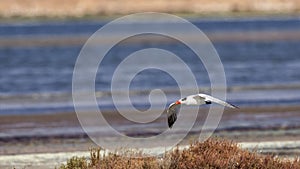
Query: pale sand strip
(41, 160)
(270, 145)
(50, 160)
(285, 150)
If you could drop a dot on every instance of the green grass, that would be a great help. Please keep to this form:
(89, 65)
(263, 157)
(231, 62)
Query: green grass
(213, 153)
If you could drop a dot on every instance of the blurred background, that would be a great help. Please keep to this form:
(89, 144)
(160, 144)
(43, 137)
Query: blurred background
(257, 41)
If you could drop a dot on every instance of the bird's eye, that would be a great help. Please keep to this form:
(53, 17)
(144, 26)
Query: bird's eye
(183, 99)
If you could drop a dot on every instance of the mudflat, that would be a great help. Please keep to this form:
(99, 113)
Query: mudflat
(61, 132)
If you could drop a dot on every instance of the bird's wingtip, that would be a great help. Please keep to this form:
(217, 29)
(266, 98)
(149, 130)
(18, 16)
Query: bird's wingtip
(234, 106)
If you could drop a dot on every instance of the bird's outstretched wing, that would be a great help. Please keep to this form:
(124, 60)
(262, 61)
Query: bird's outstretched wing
(215, 100)
(172, 114)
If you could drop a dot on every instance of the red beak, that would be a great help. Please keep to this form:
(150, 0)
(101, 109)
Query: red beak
(177, 102)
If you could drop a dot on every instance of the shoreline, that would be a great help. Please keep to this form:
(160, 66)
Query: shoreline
(26, 134)
(188, 16)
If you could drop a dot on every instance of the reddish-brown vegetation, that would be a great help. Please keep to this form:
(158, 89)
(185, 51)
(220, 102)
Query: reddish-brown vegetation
(209, 154)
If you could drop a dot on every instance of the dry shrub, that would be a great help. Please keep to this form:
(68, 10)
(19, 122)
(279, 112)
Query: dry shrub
(225, 154)
(212, 153)
(76, 163)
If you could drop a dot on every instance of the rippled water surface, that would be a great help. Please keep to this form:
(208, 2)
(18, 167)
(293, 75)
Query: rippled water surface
(260, 57)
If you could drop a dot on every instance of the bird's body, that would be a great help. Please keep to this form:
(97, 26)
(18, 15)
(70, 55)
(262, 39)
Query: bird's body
(192, 100)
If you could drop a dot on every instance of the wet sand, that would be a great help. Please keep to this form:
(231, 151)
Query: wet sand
(61, 132)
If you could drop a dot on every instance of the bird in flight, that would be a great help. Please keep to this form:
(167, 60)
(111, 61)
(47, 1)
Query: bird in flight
(193, 100)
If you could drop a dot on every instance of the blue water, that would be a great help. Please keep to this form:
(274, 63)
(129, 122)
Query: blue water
(38, 78)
